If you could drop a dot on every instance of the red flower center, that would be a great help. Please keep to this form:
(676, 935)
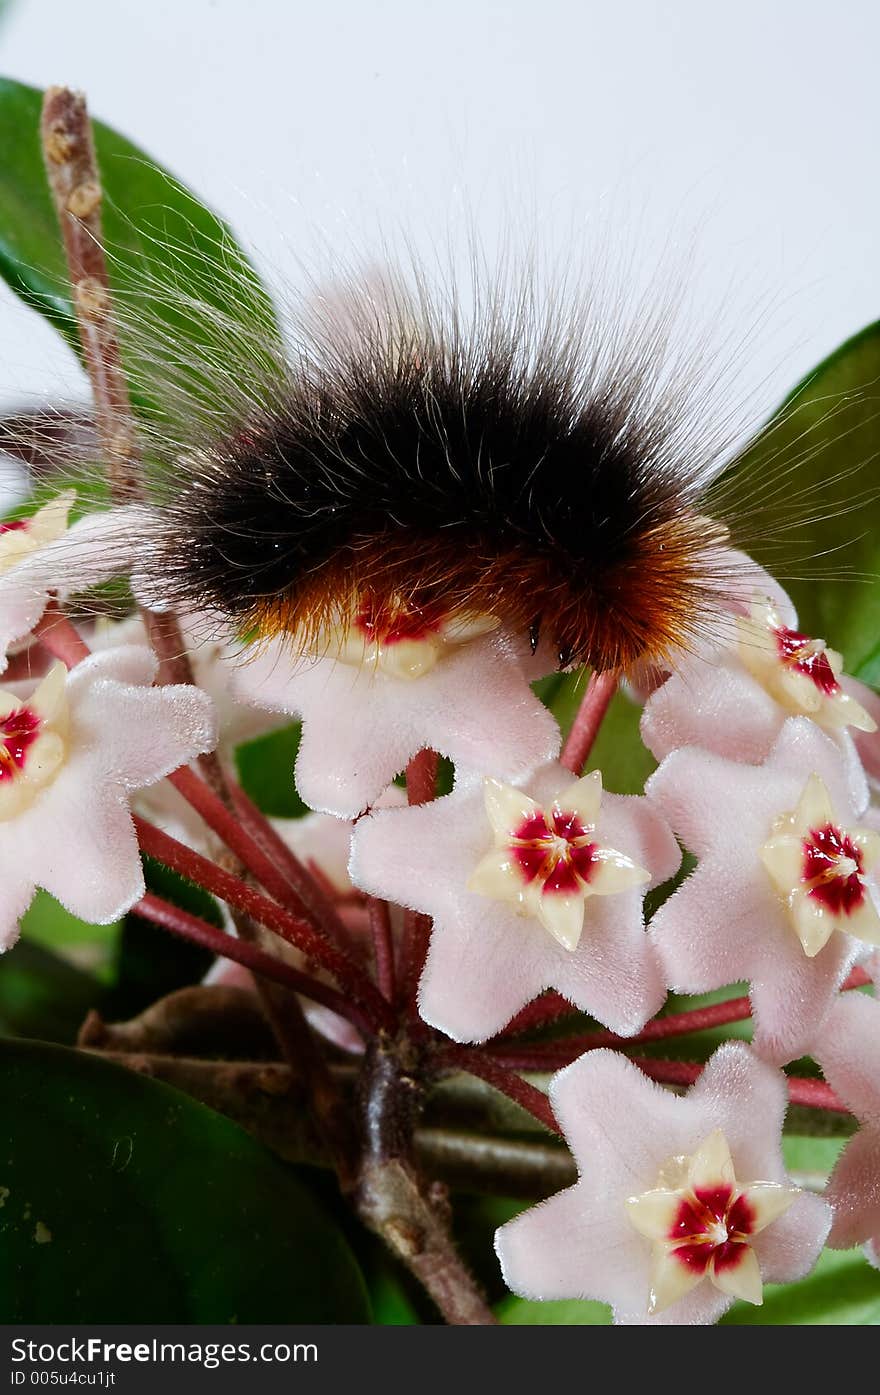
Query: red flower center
(18, 731)
(383, 625)
(555, 848)
(833, 864)
(713, 1225)
(808, 657)
(15, 525)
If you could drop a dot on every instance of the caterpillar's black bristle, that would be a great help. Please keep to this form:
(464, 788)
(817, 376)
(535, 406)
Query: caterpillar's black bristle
(519, 465)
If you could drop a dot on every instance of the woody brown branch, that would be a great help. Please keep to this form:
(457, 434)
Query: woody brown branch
(72, 171)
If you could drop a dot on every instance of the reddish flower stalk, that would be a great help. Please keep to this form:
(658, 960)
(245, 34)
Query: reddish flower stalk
(257, 856)
(57, 635)
(552, 1055)
(544, 1011)
(313, 896)
(28, 663)
(585, 727)
(480, 1064)
(421, 777)
(383, 945)
(421, 788)
(813, 1093)
(282, 922)
(200, 932)
(551, 1007)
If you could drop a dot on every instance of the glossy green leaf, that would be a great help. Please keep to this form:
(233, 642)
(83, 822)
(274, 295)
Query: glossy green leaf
(125, 1201)
(168, 254)
(819, 453)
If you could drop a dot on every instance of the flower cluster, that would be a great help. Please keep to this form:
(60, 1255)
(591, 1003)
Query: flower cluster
(528, 876)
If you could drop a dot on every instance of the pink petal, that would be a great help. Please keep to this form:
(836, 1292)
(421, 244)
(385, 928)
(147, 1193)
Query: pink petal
(360, 730)
(791, 994)
(17, 890)
(138, 734)
(572, 1246)
(867, 743)
(848, 1050)
(717, 706)
(78, 842)
(854, 1191)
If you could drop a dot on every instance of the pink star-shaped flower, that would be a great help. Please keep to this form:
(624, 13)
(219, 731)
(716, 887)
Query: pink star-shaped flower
(71, 754)
(784, 881)
(363, 723)
(848, 1050)
(41, 554)
(735, 700)
(682, 1202)
(529, 888)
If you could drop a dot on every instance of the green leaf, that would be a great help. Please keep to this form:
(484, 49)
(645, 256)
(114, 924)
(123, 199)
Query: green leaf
(43, 995)
(265, 772)
(125, 1201)
(820, 451)
(89, 947)
(169, 257)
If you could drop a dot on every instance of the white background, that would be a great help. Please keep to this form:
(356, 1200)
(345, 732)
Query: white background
(750, 128)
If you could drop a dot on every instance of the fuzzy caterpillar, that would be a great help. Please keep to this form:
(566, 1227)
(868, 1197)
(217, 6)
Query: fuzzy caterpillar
(404, 463)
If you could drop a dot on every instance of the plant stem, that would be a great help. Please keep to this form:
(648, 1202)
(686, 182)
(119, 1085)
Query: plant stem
(421, 788)
(200, 932)
(312, 896)
(814, 1094)
(543, 1012)
(552, 1055)
(72, 172)
(205, 1020)
(296, 931)
(479, 1063)
(390, 1198)
(585, 727)
(421, 777)
(57, 635)
(383, 945)
(249, 851)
